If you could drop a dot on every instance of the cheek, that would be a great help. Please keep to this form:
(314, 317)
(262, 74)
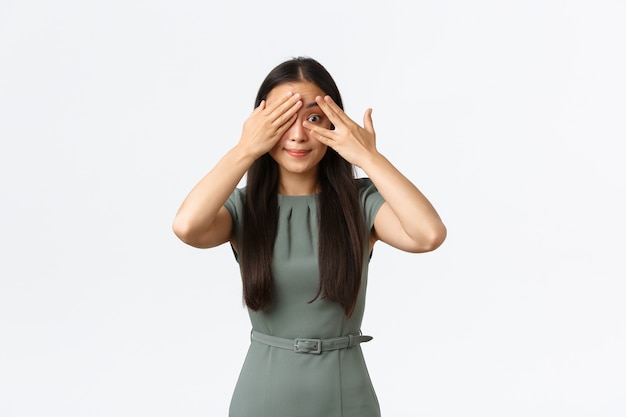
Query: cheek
(322, 150)
(316, 143)
(274, 151)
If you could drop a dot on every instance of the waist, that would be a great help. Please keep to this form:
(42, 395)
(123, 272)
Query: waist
(311, 346)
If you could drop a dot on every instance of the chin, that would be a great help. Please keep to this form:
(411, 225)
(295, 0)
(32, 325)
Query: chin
(299, 170)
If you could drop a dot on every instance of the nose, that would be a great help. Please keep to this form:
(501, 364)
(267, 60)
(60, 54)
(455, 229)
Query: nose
(297, 132)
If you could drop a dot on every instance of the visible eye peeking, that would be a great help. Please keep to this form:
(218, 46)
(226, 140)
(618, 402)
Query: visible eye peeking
(314, 118)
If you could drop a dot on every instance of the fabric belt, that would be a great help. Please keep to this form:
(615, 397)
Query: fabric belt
(314, 346)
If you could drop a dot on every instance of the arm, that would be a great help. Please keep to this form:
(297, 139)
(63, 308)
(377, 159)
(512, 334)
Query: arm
(407, 220)
(202, 220)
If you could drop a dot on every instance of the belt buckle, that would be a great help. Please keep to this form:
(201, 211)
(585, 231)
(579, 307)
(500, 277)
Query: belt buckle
(313, 346)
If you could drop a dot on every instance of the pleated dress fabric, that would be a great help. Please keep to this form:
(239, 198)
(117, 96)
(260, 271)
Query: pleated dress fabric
(276, 382)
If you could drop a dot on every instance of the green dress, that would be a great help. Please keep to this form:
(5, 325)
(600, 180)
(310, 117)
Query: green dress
(276, 382)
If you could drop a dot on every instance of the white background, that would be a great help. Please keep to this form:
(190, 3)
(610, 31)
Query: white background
(509, 116)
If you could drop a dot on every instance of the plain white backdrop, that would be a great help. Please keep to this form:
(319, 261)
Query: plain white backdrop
(509, 116)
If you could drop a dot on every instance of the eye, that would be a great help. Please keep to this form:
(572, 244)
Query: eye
(314, 118)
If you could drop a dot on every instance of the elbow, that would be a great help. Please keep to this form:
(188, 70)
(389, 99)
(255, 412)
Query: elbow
(182, 229)
(432, 240)
(438, 237)
(191, 234)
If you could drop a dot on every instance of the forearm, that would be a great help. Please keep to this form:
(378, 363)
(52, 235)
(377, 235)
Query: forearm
(416, 214)
(199, 209)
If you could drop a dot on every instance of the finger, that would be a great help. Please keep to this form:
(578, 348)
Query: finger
(286, 110)
(276, 102)
(279, 105)
(338, 113)
(258, 109)
(328, 110)
(325, 136)
(368, 124)
(282, 128)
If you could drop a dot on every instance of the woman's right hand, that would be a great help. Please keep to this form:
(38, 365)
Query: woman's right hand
(267, 124)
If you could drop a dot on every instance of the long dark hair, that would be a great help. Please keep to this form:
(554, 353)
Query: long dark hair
(342, 235)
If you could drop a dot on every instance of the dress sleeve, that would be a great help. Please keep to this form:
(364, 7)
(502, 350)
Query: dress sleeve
(371, 200)
(234, 205)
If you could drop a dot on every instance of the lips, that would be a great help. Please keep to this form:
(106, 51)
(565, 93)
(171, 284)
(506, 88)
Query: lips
(297, 153)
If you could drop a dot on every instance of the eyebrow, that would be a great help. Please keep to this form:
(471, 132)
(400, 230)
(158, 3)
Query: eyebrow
(312, 104)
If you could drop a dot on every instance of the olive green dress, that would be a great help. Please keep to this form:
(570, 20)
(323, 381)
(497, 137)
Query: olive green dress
(277, 382)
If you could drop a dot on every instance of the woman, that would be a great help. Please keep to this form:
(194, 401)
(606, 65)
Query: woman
(303, 230)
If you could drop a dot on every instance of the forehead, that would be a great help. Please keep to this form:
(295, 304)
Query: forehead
(307, 90)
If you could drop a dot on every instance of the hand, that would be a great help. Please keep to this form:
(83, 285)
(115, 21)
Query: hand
(353, 142)
(267, 124)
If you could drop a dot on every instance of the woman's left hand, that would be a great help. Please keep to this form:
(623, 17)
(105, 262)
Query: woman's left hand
(353, 142)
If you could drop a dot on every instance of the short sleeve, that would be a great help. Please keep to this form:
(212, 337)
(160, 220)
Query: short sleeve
(371, 200)
(234, 204)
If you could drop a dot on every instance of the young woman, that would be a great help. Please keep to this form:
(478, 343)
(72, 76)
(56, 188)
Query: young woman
(302, 231)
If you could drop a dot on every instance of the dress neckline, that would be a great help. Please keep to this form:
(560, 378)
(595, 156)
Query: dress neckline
(298, 197)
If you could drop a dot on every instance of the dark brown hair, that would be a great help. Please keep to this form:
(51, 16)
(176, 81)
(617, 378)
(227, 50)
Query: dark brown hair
(342, 234)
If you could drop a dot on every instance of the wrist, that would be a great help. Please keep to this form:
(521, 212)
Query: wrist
(242, 154)
(371, 161)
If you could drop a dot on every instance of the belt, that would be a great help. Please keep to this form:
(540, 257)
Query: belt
(314, 346)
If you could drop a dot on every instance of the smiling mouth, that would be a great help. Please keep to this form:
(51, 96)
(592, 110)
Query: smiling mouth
(297, 153)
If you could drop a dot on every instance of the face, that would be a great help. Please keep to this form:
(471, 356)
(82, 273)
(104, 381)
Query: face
(296, 152)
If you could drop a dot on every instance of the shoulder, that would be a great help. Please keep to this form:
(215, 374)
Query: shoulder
(364, 183)
(370, 199)
(238, 193)
(367, 189)
(235, 202)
